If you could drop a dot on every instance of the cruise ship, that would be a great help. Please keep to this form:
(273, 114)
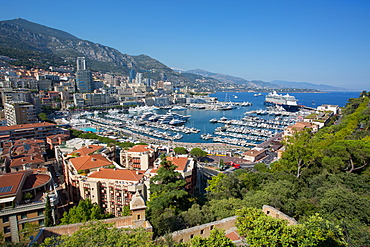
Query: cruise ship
(288, 102)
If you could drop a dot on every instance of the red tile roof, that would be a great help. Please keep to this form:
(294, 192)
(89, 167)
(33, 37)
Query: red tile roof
(89, 162)
(233, 236)
(118, 174)
(28, 159)
(89, 149)
(11, 179)
(140, 149)
(35, 180)
(180, 162)
(25, 126)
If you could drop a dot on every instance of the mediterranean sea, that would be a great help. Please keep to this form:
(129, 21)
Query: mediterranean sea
(200, 118)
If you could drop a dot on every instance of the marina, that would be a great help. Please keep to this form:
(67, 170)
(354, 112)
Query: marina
(243, 125)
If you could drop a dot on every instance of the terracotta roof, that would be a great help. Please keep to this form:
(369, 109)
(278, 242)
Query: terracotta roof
(118, 174)
(233, 236)
(140, 149)
(180, 162)
(89, 162)
(28, 159)
(57, 136)
(35, 180)
(11, 179)
(253, 152)
(300, 126)
(28, 141)
(25, 126)
(89, 149)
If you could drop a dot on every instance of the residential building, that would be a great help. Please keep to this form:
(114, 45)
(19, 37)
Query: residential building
(254, 155)
(113, 189)
(84, 81)
(28, 131)
(139, 157)
(22, 155)
(57, 139)
(19, 112)
(16, 209)
(299, 126)
(187, 168)
(79, 164)
(333, 108)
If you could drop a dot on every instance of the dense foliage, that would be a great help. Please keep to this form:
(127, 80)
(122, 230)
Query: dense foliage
(168, 199)
(98, 234)
(83, 212)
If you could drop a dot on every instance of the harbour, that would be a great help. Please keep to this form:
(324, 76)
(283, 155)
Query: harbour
(244, 125)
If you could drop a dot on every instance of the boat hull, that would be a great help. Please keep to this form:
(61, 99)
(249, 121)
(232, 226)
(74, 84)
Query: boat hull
(290, 108)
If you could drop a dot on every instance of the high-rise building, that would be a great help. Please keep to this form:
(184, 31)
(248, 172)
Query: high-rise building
(139, 78)
(19, 112)
(84, 81)
(132, 75)
(81, 63)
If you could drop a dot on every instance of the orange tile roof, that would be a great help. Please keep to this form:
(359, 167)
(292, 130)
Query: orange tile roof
(57, 136)
(254, 153)
(28, 159)
(11, 179)
(89, 162)
(140, 149)
(28, 141)
(118, 174)
(25, 126)
(35, 180)
(180, 162)
(233, 236)
(89, 149)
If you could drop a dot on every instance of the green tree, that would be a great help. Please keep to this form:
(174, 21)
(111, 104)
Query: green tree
(99, 234)
(48, 218)
(262, 230)
(348, 155)
(216, 238)
(300, 153)
(43, 116)
(83, 212)
(198, 153)
(168, 198)
(197, 215)
(180, 150)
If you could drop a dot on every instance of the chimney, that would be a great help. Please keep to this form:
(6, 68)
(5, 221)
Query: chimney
(93, 159)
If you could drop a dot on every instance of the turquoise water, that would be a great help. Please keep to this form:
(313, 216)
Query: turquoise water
(87, 129)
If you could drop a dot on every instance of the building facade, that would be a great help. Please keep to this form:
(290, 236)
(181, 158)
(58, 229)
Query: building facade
(19, 112)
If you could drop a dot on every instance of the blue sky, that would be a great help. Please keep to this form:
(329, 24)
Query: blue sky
(317, 41)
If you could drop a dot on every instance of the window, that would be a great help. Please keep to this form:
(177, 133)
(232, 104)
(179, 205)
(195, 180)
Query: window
(6, 229)
(40, 212)
(268, 212)
(24, 216)
(41, 222)
(211, 228)
(8, 239)
(5, 219)
(138, 217)
(192, 236)
(201, 231)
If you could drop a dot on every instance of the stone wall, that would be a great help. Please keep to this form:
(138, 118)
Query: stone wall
(203, 230)
(273, 212)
